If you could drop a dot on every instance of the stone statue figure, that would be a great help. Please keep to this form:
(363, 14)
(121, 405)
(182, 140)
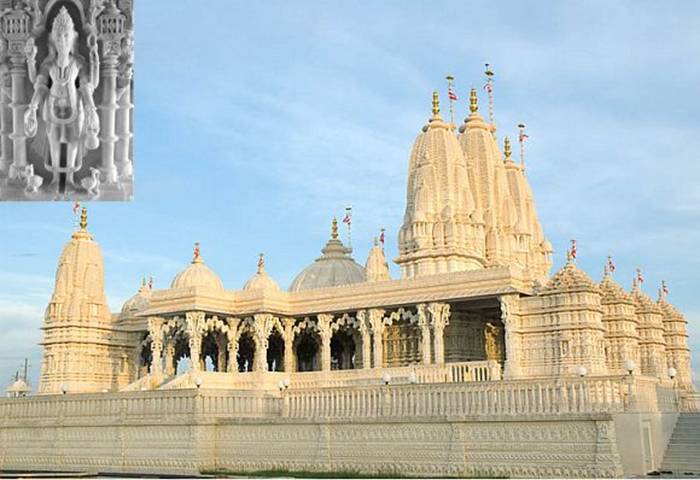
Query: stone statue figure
(63, 90)
(492, 346)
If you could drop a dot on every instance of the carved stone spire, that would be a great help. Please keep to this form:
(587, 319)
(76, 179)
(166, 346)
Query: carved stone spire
(377, 268)
(441, 230)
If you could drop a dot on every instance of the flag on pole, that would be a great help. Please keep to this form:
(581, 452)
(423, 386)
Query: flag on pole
(381, 237)
(488, 87)
(573, 249)
(76, 207)
(451, 94)
(611, 265)
(640, 277)
(664, 288)
(523, 136)
(348, 218)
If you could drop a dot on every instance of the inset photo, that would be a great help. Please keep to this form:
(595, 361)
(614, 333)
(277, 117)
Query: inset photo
(66, 100)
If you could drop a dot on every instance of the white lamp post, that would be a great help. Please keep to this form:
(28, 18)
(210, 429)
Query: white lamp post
(581, 371)
(630, 366)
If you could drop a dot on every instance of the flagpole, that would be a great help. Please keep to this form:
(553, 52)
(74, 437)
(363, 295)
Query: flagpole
(348, 217)
(489, 90)
(450, 90)
(521, 139)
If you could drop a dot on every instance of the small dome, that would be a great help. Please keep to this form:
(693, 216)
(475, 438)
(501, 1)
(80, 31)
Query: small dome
(139, 302)
(570, 279)
(197, 274)
(334, 268)
(18, 388)
(261, 280)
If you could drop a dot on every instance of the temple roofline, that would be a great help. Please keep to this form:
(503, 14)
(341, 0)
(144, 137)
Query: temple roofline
(455, 286)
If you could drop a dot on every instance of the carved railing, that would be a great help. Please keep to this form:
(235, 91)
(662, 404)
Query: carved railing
(522, 397)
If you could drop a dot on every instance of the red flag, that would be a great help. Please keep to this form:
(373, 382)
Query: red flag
(347, 219)
(640, 278)
(611, 265)
(523, 136)
(381, 237)
(452, 95)
(664, 287)
(573, 249)
(488, 87)
(76, 207)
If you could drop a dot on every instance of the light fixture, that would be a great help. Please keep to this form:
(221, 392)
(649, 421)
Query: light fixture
(64, 389)
(286, 382)
(630, 366)
(386, 378)
(280, 385)
(198, 382)
(412, 378)
(672, 372)
(581, 371)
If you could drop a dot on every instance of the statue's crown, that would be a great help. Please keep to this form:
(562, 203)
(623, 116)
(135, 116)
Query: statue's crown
(63, 22)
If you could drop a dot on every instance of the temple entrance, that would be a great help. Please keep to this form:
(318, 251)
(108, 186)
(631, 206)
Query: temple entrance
(275, 352)
(306, 346)
(475, 332)
(246, 352)
(342, 351)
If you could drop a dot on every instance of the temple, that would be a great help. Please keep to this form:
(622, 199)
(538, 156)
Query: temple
(476, 362)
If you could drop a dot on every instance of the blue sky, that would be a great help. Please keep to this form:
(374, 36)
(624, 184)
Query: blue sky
(256, 122)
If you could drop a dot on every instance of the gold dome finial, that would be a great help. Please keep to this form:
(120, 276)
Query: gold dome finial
(473, 101)
(334, 229)
(261, 262)
(83, 219)
(506, 148)
(197, 258)
(436, 104)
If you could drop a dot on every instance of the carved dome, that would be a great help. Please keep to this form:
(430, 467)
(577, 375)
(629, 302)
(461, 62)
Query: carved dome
(334, 268)
(644, 303)
(612, 292)
(570, 279)
(261, 280)
(197, 274)
(139, 302)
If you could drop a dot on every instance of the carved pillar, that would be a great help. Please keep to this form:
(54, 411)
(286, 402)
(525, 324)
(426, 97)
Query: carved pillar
(232, 346)
(364, 328)
(509, 317)
(111, 33)
(424, 324)
(221, 353)
(125, 107)
(324, 331)
(288, 345)
(193, 327)
(5, 120)
(155, 331)
(16, 31)
(439, 318)
(170, 358)
(262, 327)
(376, 322)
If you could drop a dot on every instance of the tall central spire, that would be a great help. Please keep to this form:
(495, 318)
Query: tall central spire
(442, 231)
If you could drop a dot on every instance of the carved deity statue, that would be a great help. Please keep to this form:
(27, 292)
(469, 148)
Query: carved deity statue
(63, 90)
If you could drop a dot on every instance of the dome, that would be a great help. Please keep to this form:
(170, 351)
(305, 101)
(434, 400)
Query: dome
(334, 268)
(18, 388)
(197, 274)
(261, 280)
(570, 279)
(138, 302)
(612, 292)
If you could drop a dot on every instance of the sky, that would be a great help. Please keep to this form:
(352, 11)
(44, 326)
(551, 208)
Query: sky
(257, 122)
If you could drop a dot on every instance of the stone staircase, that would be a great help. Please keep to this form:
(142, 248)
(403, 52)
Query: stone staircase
(682, 457)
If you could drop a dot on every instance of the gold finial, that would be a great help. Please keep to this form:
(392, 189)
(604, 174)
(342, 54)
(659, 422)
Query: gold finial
(473, 101)
(261, 262)
(506, 148)
(196, 258)
(436, 104)
(334, 229)
(83, 219)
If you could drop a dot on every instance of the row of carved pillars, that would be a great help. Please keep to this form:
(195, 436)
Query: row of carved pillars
(431, 319)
